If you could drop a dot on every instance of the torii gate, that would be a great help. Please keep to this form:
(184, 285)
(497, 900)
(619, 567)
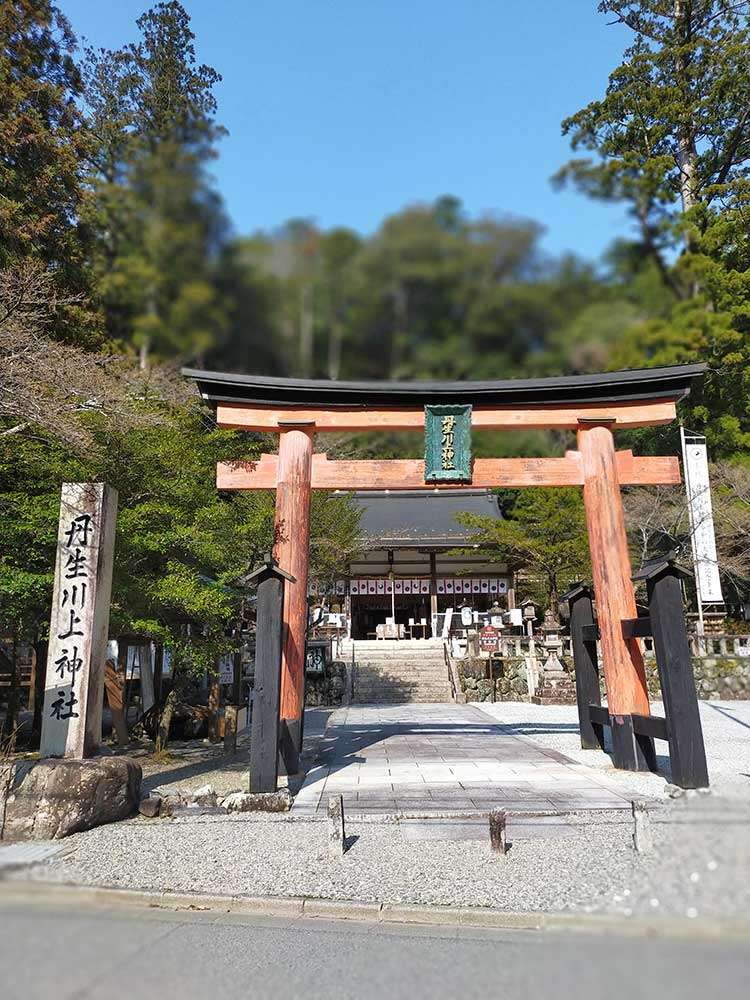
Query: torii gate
(592, 405)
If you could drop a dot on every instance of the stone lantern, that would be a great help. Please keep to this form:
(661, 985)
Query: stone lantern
(555, 684)
(528, 609)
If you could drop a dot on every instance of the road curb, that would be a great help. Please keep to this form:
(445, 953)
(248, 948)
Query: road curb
(384, 914)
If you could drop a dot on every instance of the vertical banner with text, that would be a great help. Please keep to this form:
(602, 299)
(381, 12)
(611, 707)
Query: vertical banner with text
(701, 517)
(74, 687)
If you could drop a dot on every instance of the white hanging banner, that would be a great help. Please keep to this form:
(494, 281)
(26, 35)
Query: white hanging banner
(700, 511)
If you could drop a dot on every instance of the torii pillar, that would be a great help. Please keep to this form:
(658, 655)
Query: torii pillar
(624, 671)
(291, 550)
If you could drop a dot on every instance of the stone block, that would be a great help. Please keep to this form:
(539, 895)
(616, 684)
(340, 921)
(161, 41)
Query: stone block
(279, 801)
(54, 797)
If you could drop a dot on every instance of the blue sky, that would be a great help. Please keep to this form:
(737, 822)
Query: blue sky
(346, 111)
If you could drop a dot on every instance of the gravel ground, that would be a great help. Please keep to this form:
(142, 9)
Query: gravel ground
(700, 864)
(726, 731)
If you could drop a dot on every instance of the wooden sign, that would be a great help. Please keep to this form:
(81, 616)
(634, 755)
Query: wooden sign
(488, 639)
(74, 689)
(447, 444)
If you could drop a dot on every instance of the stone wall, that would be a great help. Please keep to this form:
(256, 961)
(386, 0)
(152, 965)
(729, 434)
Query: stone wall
(326, 688)
(509, 681)
(717, 678)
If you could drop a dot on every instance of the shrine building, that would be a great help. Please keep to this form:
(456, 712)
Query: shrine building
(411, 568)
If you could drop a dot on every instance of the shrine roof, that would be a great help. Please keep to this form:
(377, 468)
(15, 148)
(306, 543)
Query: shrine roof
(673, 382)
(405, 518)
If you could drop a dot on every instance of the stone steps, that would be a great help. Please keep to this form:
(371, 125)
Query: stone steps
(391, 672)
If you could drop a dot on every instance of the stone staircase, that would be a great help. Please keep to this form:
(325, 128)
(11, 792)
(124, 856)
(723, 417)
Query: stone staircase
(390, 671)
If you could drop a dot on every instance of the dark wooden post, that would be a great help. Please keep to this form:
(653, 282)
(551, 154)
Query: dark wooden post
(583, 631)
(264, 737)
(675, 663)
(158, 673)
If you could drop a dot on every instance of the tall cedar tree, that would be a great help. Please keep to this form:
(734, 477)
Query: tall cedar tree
(45, 146)
(671, 139)
(159, 221)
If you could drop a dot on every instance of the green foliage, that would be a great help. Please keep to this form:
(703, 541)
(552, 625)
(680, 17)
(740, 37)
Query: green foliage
(542, 534)
(181, 546)
(671, 139)
(157, 220)
(44, 144)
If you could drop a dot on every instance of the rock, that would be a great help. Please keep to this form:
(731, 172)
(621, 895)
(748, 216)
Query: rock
(54, 797)
(280, 801)
(204, 796)
(172, 802)
(150, 807)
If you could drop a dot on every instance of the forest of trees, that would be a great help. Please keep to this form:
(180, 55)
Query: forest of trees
(118, 263)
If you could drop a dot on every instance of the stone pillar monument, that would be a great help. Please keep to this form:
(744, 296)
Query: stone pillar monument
(74, 689)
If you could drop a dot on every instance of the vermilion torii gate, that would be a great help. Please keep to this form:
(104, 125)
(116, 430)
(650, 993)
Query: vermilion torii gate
(595, 406)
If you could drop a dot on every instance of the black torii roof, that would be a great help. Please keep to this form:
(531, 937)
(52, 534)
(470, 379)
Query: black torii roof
(398, 519)
(673, 382)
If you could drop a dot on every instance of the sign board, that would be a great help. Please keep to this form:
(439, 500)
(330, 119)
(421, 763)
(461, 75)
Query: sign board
(317, 655)
(700, 511)
(447, 444)
(488, 639)
(226, 668)
(74, 687)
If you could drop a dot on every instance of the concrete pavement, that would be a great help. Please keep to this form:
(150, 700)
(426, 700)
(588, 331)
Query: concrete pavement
(429, 759)
(51, 952)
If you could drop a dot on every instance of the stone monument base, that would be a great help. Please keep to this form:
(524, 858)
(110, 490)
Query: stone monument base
(54, 797)
(556, 687)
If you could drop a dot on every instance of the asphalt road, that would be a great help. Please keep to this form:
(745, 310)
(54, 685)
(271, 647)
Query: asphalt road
(55, 953)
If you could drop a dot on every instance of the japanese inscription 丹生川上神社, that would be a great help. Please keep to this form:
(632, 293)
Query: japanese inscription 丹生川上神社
(447, 443)
(72, 601)
(448, 453)
(80, 618)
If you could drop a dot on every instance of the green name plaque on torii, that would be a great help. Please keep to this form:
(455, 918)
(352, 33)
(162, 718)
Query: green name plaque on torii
(447, 443)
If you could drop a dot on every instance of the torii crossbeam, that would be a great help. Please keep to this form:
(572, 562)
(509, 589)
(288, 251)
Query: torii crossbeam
(595, 406)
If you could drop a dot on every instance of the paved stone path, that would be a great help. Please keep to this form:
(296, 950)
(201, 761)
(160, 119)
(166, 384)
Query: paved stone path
(430, 759)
